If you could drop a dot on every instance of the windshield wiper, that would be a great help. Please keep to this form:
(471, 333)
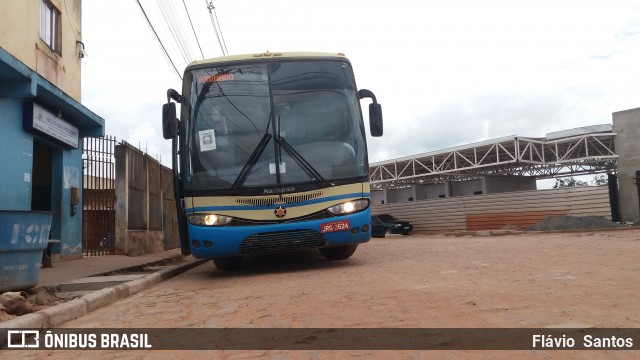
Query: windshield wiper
(253, 159)
(310, 170)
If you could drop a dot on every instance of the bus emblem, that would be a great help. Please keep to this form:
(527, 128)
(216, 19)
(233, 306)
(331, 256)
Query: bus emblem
(280, 211)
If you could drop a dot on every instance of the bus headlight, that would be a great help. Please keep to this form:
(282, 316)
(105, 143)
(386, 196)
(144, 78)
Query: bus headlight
(349, 207)
(209, 219)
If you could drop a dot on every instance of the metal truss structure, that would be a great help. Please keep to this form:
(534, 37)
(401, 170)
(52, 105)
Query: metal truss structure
(580, 151)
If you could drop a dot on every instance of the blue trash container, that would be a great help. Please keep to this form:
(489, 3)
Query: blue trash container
(23, 238)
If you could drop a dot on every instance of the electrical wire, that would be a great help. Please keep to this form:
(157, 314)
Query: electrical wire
(74, 31)
(170, 17)
(220, 28)
(192, 28)
(82, 53)
(216, 26)
(166, 54)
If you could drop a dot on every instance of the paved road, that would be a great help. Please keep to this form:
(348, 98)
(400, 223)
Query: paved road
(520, 281)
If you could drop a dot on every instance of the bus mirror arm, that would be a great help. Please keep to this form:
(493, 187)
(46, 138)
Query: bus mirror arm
(364, 93)
(375, 113)
(172, 94)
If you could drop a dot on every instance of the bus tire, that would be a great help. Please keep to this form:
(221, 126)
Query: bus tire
(228, 263)
(338, 252)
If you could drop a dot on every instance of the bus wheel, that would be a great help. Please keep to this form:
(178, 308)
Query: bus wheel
(338, 252)
(228, 263)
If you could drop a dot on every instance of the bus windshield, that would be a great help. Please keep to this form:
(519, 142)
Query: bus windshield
(272, 124)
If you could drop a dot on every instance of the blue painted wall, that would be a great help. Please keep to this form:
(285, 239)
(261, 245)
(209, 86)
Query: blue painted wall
(16, 157)
(66, 174)
(16, 162)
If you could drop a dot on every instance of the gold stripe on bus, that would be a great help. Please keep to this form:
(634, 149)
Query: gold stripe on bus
(273, 202)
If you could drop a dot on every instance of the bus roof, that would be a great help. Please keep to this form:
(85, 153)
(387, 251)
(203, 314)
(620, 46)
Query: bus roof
(266, 55)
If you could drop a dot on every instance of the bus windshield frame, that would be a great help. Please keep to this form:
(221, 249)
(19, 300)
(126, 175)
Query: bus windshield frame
(285, 124)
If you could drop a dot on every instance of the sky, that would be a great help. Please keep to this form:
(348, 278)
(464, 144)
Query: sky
(447, 72)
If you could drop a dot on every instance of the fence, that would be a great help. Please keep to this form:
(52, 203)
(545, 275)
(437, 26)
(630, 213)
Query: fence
(98, 196)
(118, 173)
(495, 211)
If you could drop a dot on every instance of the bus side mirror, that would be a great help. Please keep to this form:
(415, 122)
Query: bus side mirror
(375, 119)
(375, 113)
(169, 121)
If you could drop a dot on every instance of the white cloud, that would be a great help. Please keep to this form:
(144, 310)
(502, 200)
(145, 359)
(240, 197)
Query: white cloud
(446, 72)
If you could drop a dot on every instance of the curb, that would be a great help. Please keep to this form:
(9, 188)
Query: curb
(59, 314)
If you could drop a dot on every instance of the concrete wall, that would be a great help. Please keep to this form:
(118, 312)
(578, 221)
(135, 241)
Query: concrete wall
(401, 195)
(469, 187)
(432, 191)
(498, 184)
(169, 212)
(485, 185)
(379, 196)
(626, 124)
(145, 213)
(20, 36)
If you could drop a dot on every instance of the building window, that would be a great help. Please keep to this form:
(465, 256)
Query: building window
(50, 31)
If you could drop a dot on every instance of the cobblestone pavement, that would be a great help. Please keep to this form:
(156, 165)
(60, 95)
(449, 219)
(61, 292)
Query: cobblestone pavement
(579, 279)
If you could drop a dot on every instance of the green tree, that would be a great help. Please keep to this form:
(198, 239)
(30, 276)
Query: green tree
(568, 182)
(600, 179)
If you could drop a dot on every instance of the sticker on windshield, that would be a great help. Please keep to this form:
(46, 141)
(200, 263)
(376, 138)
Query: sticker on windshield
(207, 140)
(272, 168)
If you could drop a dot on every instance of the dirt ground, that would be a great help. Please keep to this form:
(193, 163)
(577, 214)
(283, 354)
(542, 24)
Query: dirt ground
(33, 302)
(530, 280)
(42, 299)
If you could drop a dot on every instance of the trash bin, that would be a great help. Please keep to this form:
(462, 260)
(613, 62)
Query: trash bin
(23, 238)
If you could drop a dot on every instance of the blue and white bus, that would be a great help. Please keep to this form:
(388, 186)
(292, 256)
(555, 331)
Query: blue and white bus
(270, 155)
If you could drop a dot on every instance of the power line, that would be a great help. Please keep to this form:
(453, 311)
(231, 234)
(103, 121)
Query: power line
(173, 24)
(220, 28)
(66, 11)
(192, 28)
(166, 54)
(216, 26)
(82, 53)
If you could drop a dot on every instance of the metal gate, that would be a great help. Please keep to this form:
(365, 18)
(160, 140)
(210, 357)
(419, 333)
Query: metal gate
(98, 196)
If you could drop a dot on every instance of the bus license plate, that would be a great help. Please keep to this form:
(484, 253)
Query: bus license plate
(334, 226)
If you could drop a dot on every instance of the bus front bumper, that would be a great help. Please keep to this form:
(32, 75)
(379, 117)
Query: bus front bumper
(225, 241)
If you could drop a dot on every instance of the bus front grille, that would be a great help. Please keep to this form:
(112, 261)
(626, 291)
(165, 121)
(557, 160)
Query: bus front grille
(278, 199)
(283, 241)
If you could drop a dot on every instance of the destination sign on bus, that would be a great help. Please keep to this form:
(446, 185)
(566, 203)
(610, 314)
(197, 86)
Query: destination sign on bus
(215, 78)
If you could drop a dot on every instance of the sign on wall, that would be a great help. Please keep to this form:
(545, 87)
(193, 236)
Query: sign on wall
(38, 119)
